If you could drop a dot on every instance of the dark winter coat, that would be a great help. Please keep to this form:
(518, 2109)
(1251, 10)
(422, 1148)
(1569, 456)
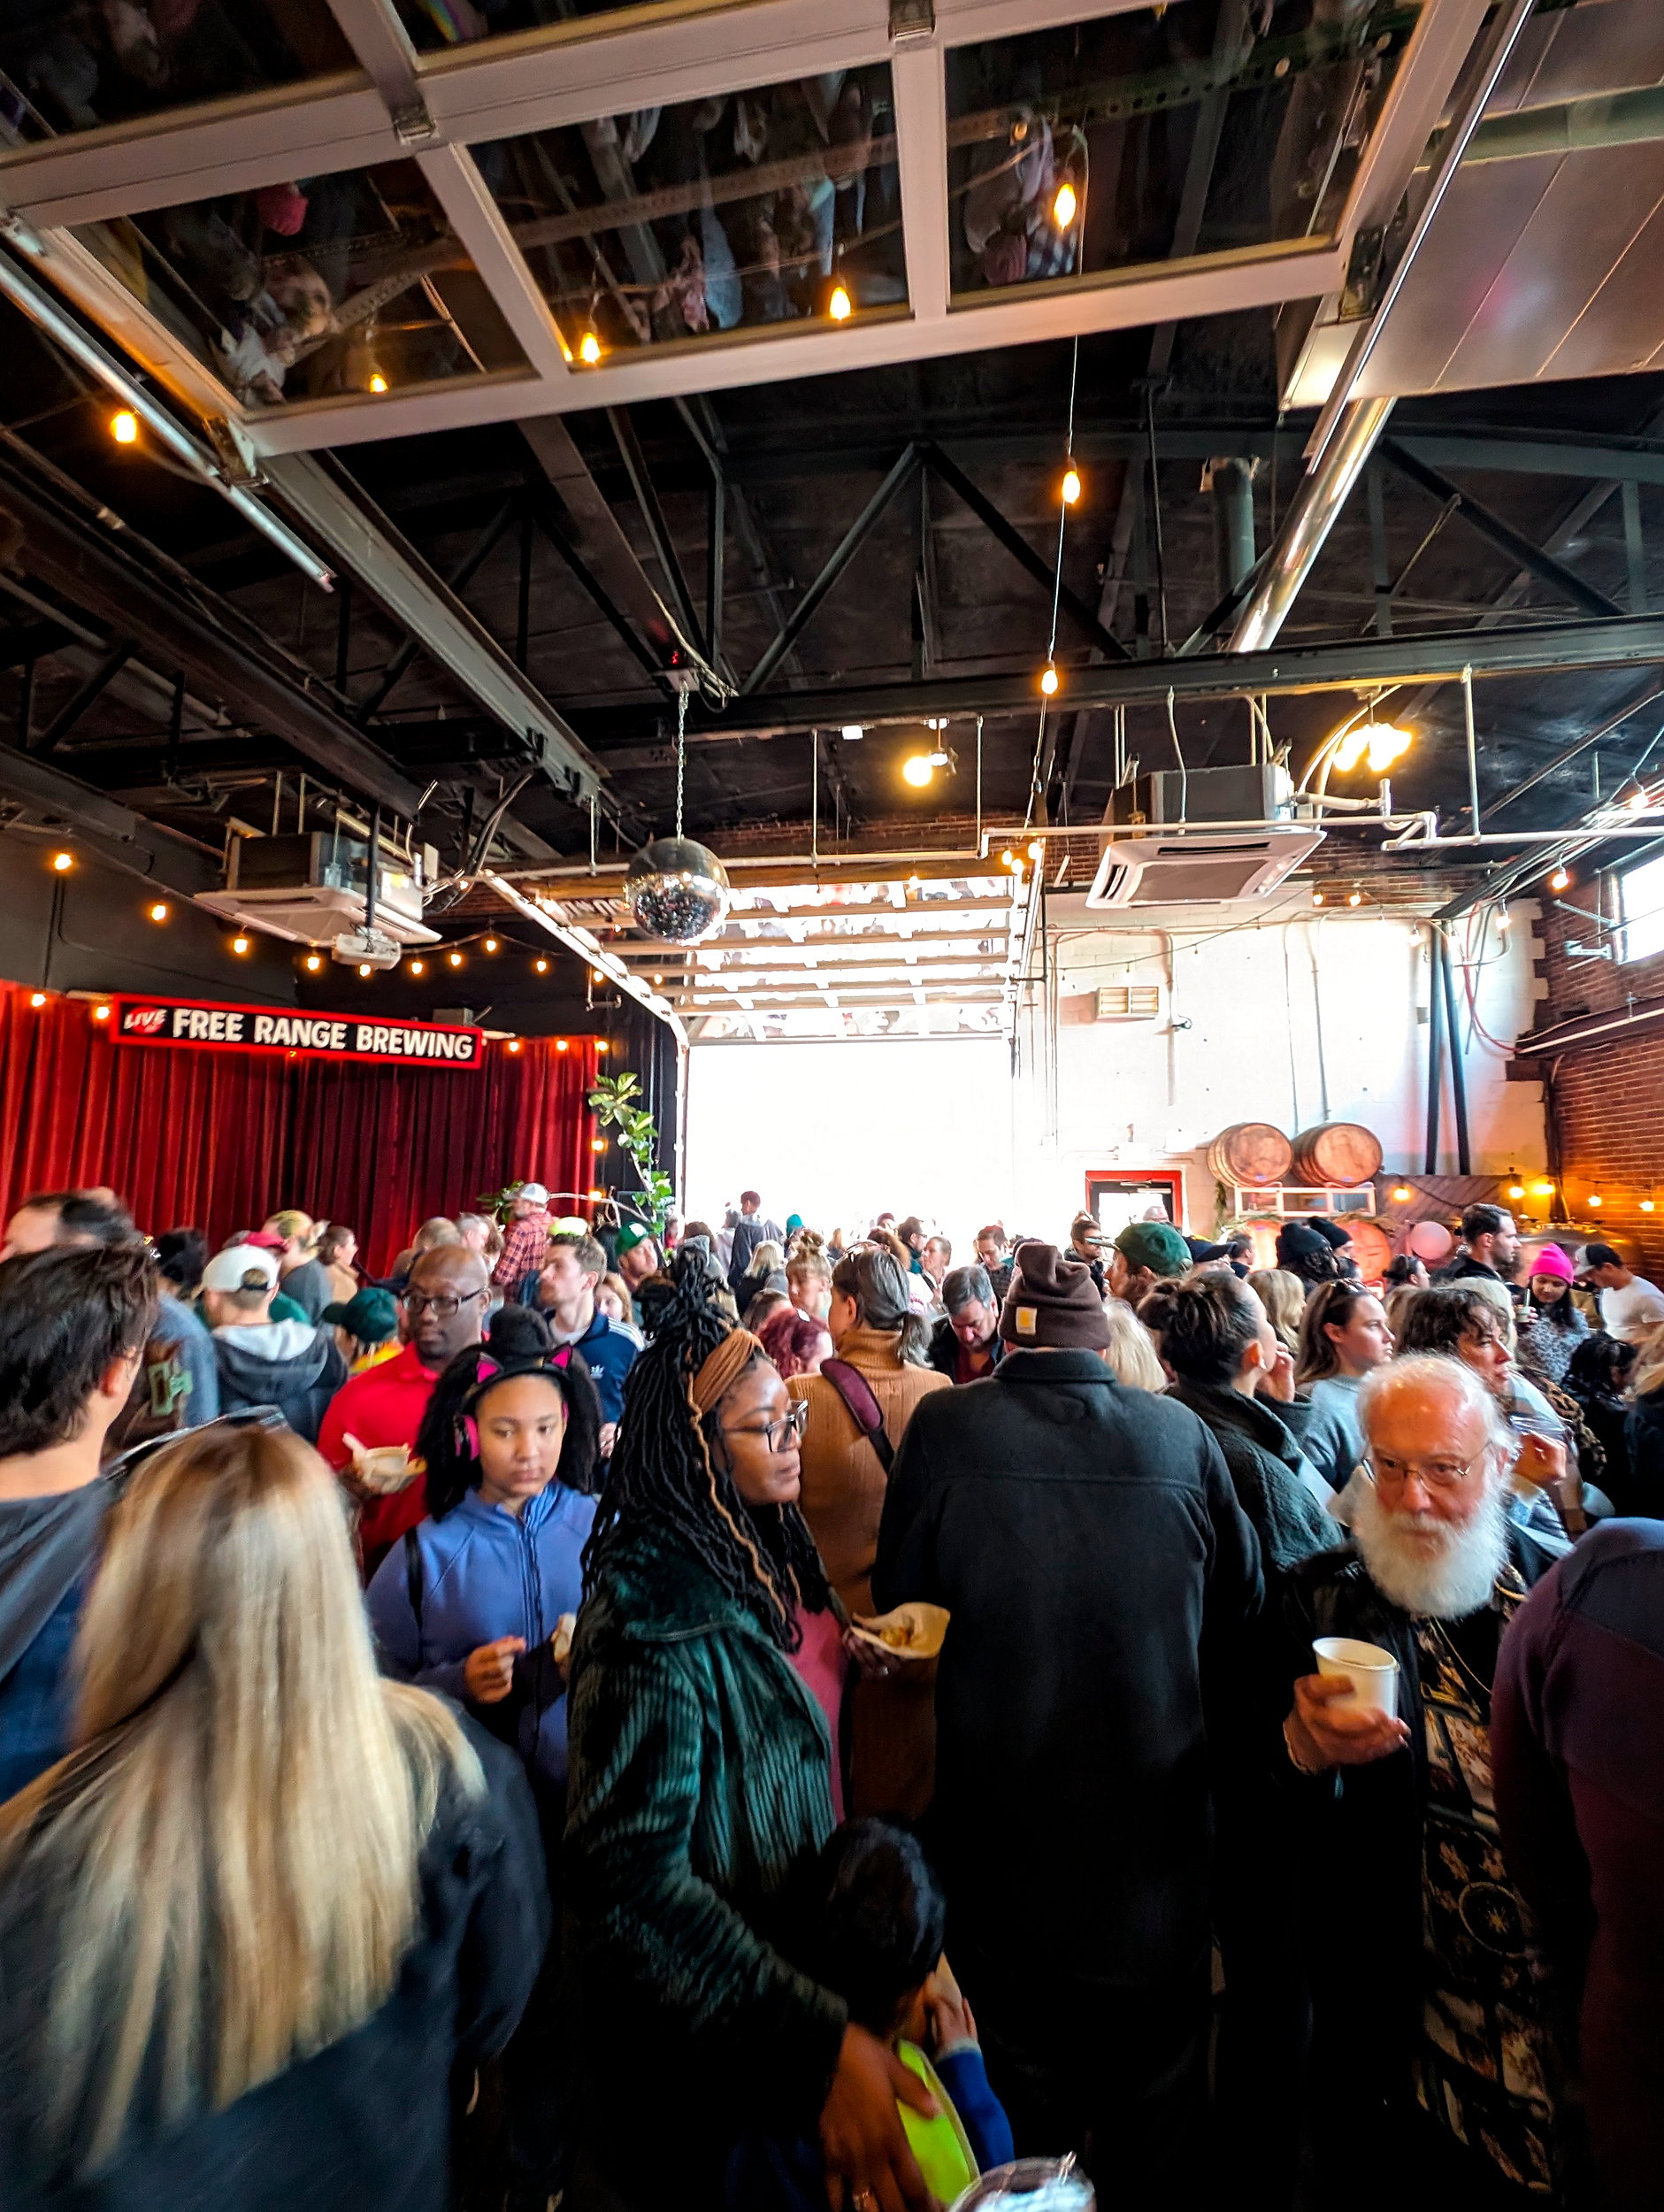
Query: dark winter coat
(698, 1781)
(366, 2122)
(1086, 1539)
(1265, 1463)
(47, 1546)
(1640, 1489)
(1577, 1737)
(944, 1349)
(289, 1365)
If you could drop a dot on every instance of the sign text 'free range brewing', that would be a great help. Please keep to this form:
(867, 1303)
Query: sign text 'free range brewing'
(216, 1028)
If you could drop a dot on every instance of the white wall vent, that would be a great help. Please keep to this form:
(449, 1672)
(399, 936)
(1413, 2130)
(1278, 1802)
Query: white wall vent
(1129, 1001)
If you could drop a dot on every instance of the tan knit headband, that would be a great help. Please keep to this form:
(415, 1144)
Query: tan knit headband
(724, 1367)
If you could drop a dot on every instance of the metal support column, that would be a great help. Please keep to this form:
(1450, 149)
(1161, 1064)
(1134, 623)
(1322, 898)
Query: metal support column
(1435, 1069)
(1458, 1071)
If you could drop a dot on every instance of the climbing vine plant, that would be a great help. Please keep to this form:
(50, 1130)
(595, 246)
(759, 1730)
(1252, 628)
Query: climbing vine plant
(613, 1103)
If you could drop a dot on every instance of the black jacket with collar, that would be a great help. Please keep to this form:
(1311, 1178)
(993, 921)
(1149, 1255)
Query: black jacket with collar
(1264, 1461)
(1086, 1541)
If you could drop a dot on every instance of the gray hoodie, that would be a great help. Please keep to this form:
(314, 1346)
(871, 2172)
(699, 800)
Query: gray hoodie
(289, 1365)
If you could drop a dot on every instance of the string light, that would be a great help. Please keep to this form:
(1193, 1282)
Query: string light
(589, 349)
(514, 1044)
(1402, 1193)
(365, 968)
(37, 998)
(839, 306)
(1049, 678)
(240, 944)
(560, 1044)
(1355, 898)
(62, 862)
(1066, 206)
(313, 962)
(419, 967)
(378, 382)
(158, 911)
(455, 959)
(1595, 1198)
(597, 1144)
(541, 966)
(1647, 1206)
(1542, 1190)
(1560, 880)
(124, 426)
(1516, 1189)
(658, 978)
(100, 1013)
(1070, 486)
(600, 1045)
(1317, 898)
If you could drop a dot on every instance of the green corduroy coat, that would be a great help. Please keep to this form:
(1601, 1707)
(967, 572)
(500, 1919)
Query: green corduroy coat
(699, 1782)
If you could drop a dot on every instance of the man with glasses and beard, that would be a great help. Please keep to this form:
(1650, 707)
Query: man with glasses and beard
(1423, 1983)
(368, 1435)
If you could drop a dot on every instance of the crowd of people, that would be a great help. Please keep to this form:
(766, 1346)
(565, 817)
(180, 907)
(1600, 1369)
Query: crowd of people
(752, 1719)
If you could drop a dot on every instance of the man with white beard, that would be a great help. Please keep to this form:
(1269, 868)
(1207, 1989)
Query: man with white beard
(1422, 1975)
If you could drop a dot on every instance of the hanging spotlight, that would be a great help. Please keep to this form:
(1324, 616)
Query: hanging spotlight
(63, 863)
(1560, 880)
(124, 426)
(1049, 678)
(240, 944)
(378, 382)
(1066, 206)
(158, 911)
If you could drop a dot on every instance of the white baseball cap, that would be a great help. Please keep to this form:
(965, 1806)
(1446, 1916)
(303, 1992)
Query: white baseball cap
(241, 1267)
(535, 1192)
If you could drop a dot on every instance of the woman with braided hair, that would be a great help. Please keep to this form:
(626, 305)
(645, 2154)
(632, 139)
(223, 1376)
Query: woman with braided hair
(700, 1765)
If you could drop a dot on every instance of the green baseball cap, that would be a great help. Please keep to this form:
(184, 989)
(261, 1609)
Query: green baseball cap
(1156, 1245)
(634, 1232)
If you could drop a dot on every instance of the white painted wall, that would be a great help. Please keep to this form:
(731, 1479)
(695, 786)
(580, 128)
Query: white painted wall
(1295, 1022)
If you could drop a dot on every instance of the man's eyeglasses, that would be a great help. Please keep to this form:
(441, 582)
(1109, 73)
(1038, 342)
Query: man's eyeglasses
(783, 1433)
(1438, 1474)
(444, 1308)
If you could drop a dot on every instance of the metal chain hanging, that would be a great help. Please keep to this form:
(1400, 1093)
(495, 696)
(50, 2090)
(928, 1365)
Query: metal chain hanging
(681, 753)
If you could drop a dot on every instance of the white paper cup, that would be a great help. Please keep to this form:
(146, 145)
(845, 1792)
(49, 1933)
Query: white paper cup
(1373, 1673)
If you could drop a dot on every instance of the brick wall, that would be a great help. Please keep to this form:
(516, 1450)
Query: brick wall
(1606, 1098)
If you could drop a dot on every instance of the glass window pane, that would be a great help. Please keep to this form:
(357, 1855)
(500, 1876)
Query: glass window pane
(342, 284)
(434, 25)
(1642, 890)
(71, 69)
(679, 222)
(1159, 134)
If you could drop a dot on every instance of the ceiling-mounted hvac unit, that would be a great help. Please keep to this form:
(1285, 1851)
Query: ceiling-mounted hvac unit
(1204, 868)
(311, 887)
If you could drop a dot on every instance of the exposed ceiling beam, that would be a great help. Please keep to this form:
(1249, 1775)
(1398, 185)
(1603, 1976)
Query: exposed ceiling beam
(1630, 641)
(122, 836)
(364, 541)
(102, 567)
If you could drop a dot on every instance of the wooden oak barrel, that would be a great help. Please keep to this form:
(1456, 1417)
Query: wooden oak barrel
(1250, 1152)
(1338, 1154)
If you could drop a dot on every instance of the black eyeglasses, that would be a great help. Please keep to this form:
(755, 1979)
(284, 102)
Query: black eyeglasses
(783, 1433)
(444, 1308)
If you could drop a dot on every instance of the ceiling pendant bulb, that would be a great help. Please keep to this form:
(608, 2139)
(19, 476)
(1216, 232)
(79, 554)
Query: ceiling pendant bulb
(916, 770)
(1049, 678)
(839, 306)
(1070, 485)
(1066, 206)
(378, 382)
(124, 426)
(589, 349)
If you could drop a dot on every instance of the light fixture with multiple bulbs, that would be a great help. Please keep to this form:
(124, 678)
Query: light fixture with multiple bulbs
(1381, 743)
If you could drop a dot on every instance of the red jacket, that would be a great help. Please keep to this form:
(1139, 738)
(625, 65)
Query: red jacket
(384, 1405)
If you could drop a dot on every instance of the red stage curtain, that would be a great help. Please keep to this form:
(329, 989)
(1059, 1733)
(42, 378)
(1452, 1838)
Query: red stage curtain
(222, 1139)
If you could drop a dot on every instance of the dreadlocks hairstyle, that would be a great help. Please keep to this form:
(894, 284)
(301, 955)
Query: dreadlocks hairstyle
(519, 1344)
(663, 1478)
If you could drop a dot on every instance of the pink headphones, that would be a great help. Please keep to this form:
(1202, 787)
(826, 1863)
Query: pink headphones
(490, 1370)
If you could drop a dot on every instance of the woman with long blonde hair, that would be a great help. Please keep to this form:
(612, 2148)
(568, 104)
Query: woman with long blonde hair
(259, 1869)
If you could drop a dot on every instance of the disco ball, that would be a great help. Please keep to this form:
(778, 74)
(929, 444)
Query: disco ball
(677, 889)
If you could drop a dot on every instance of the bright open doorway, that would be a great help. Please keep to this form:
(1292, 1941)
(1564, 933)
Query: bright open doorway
(839, 1133)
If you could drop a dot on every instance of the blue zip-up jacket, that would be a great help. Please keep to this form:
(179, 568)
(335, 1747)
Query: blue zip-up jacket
(605, 1349)
(488, 1573)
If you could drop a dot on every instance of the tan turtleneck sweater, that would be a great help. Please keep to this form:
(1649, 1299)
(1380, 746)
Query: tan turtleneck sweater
(843, 1482)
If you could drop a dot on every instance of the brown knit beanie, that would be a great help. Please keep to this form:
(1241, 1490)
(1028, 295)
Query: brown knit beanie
(1053, 1304)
